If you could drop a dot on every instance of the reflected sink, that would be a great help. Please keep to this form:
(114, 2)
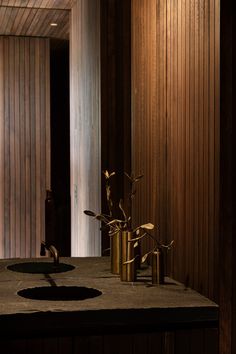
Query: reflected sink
(59, 293)
(40, 267)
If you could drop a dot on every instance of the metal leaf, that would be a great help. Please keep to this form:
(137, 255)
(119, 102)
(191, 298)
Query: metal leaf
(122, 209)
(106, 174)
(100, 217)
(113, 233)
(148, 226)
(89, 213)
(138, 178)
(130, 261)
(137, 238)
(144, 257)
(115, 221)
(129, 177)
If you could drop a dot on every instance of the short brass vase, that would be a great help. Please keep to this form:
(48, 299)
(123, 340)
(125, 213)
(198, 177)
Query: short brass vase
(127, 270)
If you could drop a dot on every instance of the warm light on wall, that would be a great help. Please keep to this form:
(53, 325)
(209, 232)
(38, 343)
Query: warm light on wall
(85, 128)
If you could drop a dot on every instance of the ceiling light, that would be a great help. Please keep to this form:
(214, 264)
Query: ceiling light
(53, 24)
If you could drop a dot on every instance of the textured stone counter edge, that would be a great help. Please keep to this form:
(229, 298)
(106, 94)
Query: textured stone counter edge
(105, 321)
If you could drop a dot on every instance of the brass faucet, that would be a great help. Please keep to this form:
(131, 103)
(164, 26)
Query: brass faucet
(52, 249)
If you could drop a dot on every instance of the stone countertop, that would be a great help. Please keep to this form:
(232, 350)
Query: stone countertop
(121, 305)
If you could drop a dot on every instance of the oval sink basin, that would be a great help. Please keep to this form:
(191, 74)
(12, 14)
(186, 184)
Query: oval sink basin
(59, 293)
(40, 267)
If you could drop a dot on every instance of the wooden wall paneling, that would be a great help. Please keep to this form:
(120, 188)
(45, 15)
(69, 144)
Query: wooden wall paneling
(227, 279)
(172, 126)
(81, 344)
(181, 133)
(191, 135)
(115, 100)
(140, 343)
(202, 151)
(197, 148)
(1, 152)
(212, 146)
(193, 341)
(34, 22)
(204, 89)
(6, 151)
(26, 164)
(215, 243)
(168, 131)
(65, 345)
(191, 147)
(5, 16)
(17, 139)
(114, 344)
(148, 184)
(96, 344)
(2, 14)
(35, 157)
(148, 117)
(32, 149)
(182, 342)
(23, 26)
(197, 341)
(50, 345)
(211, 341)
(85, 127)
(11, 346)
(25, 16)
(22, 152)
(35, 345)
(50, 4)
(10, 16)
(42, 139)
(162, 230)
(186, 110)
(12, 148)
(156, 342)
(27, 147)
(16, 20)
(136, 61)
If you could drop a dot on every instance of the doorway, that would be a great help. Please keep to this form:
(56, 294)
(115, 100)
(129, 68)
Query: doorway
(60, 144)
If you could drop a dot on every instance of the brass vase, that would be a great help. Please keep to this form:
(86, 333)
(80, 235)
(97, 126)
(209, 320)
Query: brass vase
(115, 253)
(127, 271)
(157, 267)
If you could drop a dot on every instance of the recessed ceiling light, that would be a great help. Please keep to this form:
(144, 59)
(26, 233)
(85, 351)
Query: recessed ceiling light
(53, 24)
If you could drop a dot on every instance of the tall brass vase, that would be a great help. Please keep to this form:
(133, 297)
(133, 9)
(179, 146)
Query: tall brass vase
(157, 267)
(127, 271)
(115, 253)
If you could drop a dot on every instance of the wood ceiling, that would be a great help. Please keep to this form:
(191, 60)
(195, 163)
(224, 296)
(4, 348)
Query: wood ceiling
(33, 18)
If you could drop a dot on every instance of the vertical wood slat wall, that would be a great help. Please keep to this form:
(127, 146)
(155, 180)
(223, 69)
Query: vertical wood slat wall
(175, 131)
(115, 103)
(85, 131)
(202, 341)
(25, 144)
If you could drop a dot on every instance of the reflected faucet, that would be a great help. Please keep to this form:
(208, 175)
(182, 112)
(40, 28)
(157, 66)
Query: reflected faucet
(52, 249)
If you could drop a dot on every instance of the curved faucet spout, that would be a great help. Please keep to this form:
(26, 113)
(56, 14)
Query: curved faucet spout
(52, 249)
